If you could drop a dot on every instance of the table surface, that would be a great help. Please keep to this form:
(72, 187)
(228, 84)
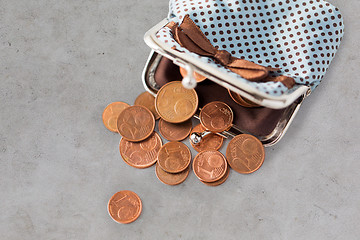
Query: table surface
(62, 62)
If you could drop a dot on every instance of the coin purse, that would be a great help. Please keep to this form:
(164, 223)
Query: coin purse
(294, 40)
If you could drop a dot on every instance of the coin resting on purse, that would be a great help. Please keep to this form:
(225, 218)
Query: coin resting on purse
(216, 117)
(176, 104)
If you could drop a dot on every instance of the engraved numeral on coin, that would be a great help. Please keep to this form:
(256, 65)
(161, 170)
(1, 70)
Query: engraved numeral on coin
(119, 200)
(126, 198)
(210, 173)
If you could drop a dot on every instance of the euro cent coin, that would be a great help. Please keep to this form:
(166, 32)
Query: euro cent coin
(216, 116)
(135, 123)
(245, 153)
(174, 157)
(176, 104)
(141, 154)
(209, 166)
(124, 206)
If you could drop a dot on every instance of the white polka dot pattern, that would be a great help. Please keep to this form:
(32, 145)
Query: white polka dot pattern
(299, 36)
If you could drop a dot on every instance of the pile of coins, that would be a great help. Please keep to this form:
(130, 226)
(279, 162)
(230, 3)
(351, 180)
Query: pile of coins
(142, 147)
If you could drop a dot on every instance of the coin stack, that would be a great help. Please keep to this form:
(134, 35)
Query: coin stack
(174, 106)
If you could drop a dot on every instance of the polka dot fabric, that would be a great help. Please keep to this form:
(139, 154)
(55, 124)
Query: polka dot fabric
(299, 36)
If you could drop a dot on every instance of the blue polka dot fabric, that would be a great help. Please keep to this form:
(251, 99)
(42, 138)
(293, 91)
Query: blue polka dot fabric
(300, 37)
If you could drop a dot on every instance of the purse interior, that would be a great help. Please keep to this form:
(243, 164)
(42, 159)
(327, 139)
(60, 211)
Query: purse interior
(259, 121)
(269, 125)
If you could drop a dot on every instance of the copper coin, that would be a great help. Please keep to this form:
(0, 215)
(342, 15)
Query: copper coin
(111, 114)
(176, 104)
(174, 157)
(175, 131)
(216, 116)
(245, 153)
(171, 178)
(141, 154)
(135, 123)
(147, 100)
(198, 77)
(241, 100)
(220, 181)
(124, 206)
(209, 166)
(211, 141)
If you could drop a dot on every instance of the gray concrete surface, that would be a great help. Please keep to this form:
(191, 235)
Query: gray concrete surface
(62, 62)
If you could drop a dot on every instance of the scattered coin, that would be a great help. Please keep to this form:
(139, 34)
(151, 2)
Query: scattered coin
(216, 116)
(174, 157)
(124, 206)
(241, 100)
(198, 77)
(141, 154)
(220, 181)
(209, 166)
(175, 131)
(176, 104)
(135, 123)
(147, 100)
(245, 153)
(171, 178)
(211, 141)
(111, 114)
